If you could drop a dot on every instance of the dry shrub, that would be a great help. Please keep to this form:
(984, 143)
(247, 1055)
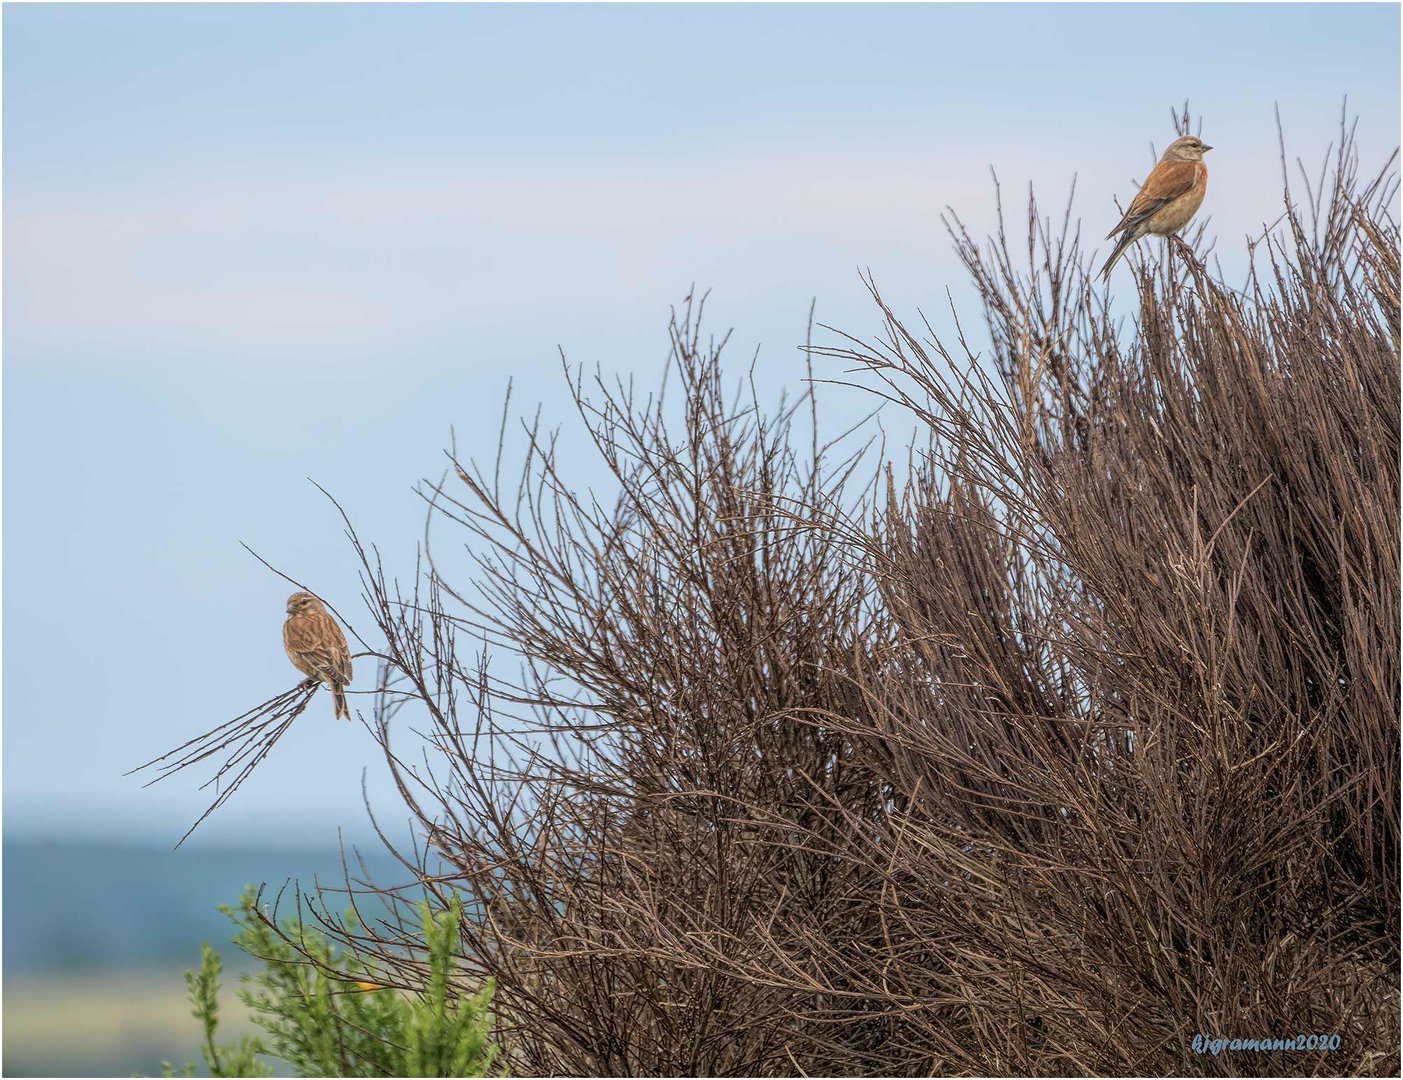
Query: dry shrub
(1079, 740)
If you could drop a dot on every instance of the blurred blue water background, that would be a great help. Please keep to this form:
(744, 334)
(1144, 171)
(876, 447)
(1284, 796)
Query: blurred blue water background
(97, 937)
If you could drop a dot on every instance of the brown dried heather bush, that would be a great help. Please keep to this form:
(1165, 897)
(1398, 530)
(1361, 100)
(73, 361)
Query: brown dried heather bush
(1151, 590)
(1081, 740)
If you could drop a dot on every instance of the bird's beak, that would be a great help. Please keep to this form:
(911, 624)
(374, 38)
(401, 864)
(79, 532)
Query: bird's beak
(1206, 148)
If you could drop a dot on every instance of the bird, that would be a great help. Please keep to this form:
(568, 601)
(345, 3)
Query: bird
(317, 648)
(1170, 196)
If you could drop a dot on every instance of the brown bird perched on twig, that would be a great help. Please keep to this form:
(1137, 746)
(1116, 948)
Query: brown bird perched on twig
(1170, 196)
(317, 648)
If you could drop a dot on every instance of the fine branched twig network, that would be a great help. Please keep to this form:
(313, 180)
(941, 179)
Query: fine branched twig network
(248, 738)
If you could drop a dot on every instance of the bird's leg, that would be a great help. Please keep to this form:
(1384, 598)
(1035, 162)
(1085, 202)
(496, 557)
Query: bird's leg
(1184, 248)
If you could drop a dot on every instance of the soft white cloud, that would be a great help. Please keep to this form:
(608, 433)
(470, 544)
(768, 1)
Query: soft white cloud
(353, 260)
(349, 260)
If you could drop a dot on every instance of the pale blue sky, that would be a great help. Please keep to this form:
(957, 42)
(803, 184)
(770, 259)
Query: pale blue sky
(249, 244)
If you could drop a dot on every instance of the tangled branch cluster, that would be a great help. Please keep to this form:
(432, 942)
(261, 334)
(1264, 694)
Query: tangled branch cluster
(1077, 741)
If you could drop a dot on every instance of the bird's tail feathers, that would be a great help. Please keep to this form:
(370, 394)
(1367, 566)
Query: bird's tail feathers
(338, 698)
(1127, 238)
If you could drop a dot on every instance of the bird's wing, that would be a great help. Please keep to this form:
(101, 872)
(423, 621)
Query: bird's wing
(1167, 181)
(340, 650)
(319, 642)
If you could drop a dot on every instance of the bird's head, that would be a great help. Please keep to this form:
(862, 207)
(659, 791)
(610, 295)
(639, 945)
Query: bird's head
(303, 603)
(1186, 148)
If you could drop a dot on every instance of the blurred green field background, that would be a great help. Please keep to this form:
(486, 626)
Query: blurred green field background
(112, 1025)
